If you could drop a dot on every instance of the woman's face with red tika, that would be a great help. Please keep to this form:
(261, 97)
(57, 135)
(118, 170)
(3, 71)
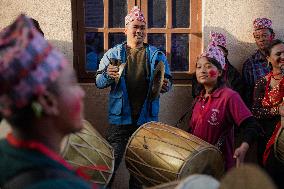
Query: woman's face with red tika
(206, 72)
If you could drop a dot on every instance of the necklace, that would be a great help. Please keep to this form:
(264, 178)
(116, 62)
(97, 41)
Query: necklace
(273, 76)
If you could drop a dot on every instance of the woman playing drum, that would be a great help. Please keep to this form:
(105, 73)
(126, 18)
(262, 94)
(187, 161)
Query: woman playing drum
(218, 108)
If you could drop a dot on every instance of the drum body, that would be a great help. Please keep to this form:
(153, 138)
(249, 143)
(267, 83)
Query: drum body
(86, 149)
(168, 185)
(279, 145)
(158, 153)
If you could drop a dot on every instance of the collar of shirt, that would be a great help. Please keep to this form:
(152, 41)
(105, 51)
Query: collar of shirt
(260, 56)
(216, 94)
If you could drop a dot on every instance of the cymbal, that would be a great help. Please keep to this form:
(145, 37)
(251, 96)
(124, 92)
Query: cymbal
(157, 82)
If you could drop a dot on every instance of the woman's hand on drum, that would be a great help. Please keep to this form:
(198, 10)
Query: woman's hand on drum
(240, 153)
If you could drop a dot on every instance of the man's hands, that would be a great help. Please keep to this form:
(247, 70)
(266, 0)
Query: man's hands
(112, 71)
(165, 86)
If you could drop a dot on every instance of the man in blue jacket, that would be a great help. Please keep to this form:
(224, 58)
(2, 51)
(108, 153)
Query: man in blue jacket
(128, 69)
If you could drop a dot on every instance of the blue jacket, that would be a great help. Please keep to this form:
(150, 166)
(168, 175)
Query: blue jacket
(119, 106)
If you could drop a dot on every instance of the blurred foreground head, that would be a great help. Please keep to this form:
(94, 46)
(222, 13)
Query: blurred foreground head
(34, 76)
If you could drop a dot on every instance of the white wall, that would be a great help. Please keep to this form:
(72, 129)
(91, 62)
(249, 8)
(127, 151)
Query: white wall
(54, 17)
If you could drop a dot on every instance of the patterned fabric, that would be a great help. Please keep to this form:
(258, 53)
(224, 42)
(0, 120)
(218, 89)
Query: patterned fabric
(28, 63)
(218, 39)
(254, 68)
(266, 116)
(135, 14)
(273, 96)
(262, 23)
(215, 52)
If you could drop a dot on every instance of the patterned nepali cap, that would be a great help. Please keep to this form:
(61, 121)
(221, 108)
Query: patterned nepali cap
(218, 39)
(135, 14)
(213, 51)
(28, 63)
(262, 23)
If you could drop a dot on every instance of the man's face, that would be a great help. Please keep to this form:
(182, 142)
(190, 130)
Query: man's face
(262, 38)
(135, 31)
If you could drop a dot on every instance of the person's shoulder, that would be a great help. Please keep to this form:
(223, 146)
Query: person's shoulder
(251, 57)
(115, 48)
(151, 47)
(154, 48)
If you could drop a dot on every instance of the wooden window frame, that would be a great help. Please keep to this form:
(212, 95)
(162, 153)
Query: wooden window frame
(194, 33)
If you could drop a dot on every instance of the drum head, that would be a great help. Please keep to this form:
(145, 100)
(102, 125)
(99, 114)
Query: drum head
(169, 185)
(247, 177)
(89, 151)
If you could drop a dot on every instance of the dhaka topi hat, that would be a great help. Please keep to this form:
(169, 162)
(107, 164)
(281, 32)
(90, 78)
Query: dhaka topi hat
(28, 64)
(213, 51)
(135, 14)
(262, 23)
(218, 39)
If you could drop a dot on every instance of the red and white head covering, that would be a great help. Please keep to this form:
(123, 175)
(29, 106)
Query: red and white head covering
(262, 23)
(135, 14)
(218, 39)
(28, 64)
(213, 51)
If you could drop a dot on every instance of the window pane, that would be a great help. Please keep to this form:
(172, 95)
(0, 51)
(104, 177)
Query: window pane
(117, 13)
(157, 14)
(94, 50)
(115, 38)
(157, 40)
(180, 53)
(94, 13)
(181, 13)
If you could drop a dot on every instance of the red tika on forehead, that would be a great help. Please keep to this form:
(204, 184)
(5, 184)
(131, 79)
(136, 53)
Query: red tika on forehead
(28, 63)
